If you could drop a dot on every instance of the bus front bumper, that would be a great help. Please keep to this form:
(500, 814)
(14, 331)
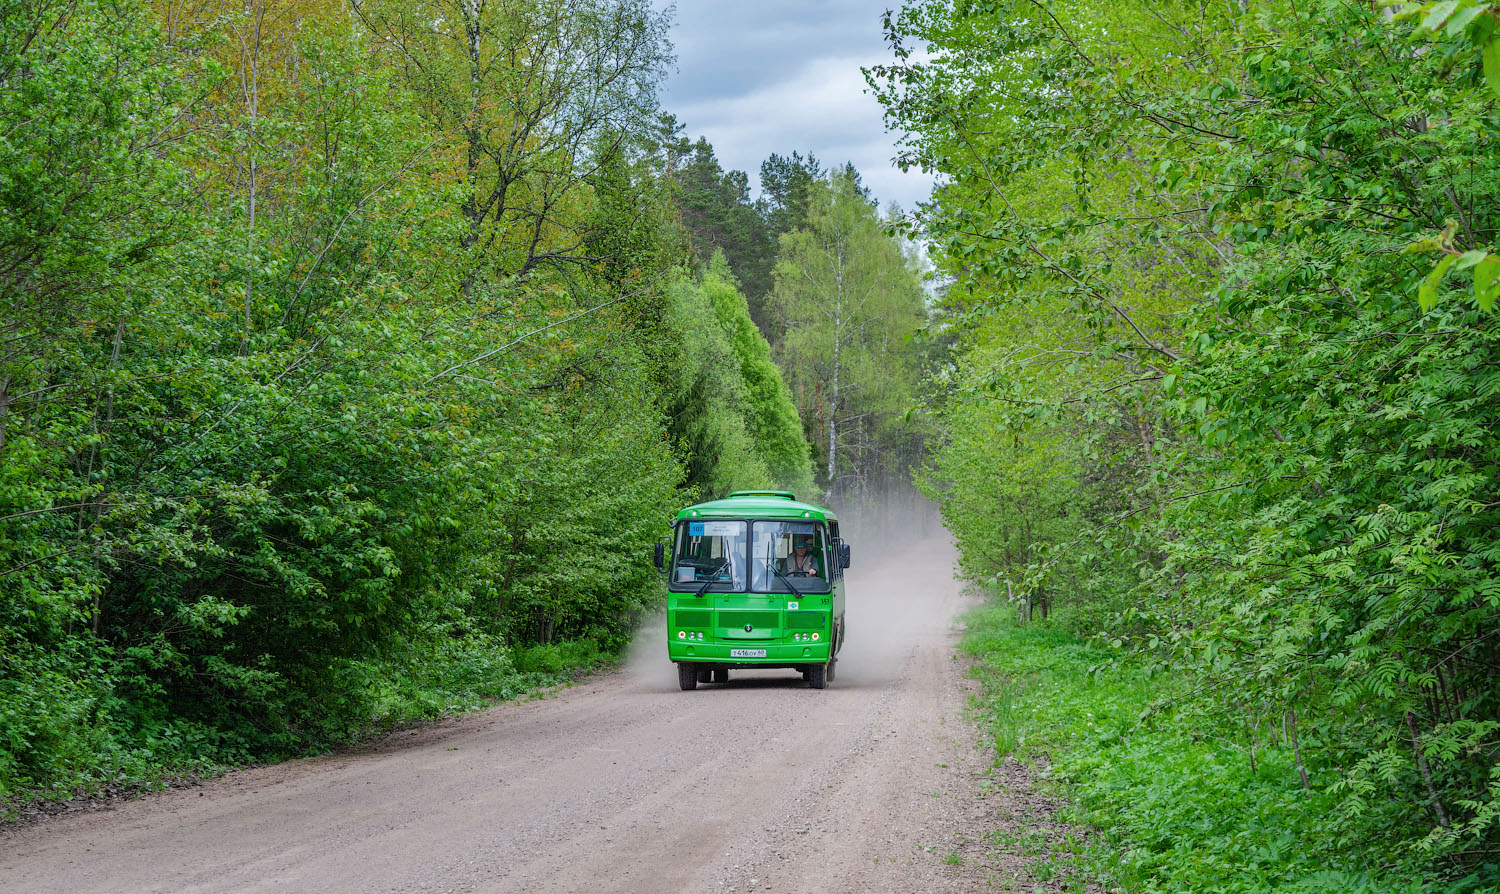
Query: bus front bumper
(749, 654)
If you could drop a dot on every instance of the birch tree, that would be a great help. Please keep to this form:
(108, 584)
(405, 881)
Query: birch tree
(846, 297)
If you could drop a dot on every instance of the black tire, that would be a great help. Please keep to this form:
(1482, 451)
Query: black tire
(687, 676)
(721, 675)
(832, 668)
(817, 676)
(705, 675)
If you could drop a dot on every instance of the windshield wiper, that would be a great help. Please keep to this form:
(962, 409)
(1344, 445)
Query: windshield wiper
(711, 575)
(771, 564)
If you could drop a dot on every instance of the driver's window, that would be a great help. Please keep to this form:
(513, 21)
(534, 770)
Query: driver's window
(783, 552)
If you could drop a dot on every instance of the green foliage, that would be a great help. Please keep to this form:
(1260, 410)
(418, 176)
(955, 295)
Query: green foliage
(734, 415)
(308, 426)
(789, 183)
(770, 415)
(719, 216)
(847, 301)
(454, 670)
(863, 378)
(1189, 292)
(1181, 800)
(1474, 22)
(1027, 469)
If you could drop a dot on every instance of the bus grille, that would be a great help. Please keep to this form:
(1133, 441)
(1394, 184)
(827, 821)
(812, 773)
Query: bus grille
(757, 620)
(806, 620)
(693, 618)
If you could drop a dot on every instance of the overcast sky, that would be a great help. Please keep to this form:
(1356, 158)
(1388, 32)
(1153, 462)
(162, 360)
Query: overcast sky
(763, 76)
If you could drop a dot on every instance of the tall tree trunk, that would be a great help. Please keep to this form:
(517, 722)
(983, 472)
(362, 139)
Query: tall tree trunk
(833, 394)
(1426, 772)
(833, 413)
(104, 418)
(472, 134)
(252, 102)
(4, 408)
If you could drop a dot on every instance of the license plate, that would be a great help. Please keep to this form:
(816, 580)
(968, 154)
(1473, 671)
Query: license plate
(747, 653)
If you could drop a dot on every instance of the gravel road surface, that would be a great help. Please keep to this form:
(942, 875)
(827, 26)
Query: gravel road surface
(619, 783)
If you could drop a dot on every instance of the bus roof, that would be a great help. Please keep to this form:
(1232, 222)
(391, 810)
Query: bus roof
(758, 504)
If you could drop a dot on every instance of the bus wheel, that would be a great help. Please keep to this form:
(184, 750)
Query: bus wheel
(721, 675)
(687, 676)
(817, 676)
(832, 666)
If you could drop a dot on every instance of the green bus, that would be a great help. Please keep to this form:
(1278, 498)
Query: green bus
(755, 580)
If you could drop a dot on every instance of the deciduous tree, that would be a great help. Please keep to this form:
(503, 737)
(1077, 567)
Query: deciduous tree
(846, 300)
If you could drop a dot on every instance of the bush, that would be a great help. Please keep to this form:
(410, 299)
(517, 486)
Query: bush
(1179, 800)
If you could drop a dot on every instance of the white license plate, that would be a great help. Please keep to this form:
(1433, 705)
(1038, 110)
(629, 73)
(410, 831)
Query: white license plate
(747, 653)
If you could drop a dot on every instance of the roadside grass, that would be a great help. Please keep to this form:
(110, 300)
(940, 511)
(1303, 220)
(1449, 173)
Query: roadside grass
(457, 675)
(116, 750)
(1172, 803)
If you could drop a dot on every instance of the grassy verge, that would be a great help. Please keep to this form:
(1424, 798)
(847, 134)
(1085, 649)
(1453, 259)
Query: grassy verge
(458, 675)
(121, 749)
(1172, 802)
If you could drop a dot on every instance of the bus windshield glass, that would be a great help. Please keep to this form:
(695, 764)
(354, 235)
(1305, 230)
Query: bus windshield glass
(710, 556)
(788, 556)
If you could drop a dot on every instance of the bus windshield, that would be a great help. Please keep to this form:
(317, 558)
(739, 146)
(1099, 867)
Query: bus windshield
(788, 556)
(710, 556)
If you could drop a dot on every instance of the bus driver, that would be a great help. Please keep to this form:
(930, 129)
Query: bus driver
(802, 560)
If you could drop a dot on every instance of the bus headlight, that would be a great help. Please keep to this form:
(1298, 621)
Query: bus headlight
(682, 634)
(815, 637)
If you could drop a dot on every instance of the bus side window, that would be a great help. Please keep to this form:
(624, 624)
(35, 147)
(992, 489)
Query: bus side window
(831, 553)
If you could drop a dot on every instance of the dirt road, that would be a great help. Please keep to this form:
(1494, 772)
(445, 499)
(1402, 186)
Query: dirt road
(621, 783)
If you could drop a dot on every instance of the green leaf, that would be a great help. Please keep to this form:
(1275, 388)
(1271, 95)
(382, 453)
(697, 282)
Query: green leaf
(1168, 383)
(1425, 245)
(1487, 283)
(1491, 56)
(1484, 26)
(1438, 15)
(1469, 259)
(1427, 296)
(1406, 11)
(1462, 18)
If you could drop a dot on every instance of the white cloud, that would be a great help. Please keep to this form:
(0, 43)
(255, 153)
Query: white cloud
(822, 107)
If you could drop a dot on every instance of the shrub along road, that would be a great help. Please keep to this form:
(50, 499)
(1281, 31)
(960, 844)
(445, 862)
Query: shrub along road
(621, 783)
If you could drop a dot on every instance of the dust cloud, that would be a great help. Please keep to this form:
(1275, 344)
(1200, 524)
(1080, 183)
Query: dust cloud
(647, 662)
(898, 589)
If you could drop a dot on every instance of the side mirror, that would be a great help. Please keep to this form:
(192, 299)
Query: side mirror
(843, 555)
(660, 558)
